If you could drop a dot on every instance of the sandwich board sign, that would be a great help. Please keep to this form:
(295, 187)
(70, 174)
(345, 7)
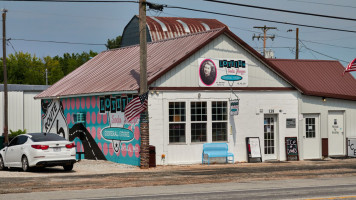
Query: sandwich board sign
(253, 149)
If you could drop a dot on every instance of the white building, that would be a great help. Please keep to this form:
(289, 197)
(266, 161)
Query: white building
(24, 112)
(277, 99)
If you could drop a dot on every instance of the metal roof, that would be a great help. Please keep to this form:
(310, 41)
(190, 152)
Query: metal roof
(161, 28)
(118, 70)
(18, 87)
(322, 78)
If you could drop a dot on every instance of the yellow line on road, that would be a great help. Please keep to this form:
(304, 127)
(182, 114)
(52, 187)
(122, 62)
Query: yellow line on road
(346, 197)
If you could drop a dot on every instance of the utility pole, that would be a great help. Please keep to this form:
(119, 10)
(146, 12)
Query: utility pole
(144, 124)
(265, 37)
(5, 76)
(296, 42)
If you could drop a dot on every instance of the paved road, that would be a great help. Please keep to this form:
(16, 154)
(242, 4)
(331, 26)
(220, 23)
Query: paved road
(318, 188)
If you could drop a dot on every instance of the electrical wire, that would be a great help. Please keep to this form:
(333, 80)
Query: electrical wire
(51, 41)
(258, 19)
(281, 10)
(198, 10)
(322, 53)
(328, 4)
(74, 1)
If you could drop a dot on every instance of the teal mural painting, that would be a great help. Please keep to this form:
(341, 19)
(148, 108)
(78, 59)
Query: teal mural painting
(98, 127)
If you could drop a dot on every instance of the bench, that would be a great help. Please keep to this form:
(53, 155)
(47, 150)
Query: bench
(214, 150)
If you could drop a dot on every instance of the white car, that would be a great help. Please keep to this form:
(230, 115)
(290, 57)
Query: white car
(38, 150)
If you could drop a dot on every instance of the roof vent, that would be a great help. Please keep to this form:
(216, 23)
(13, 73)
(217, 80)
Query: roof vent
(185, 26)
(164, 27)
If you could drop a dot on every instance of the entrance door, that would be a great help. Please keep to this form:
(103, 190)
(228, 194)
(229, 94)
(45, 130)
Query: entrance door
(270, 137)
(311, 137)
(336, 133)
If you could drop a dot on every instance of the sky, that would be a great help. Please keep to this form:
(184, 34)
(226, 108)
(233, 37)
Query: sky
(94, 23)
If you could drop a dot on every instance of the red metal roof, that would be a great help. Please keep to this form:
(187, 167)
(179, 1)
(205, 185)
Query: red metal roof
(161, 28)
(318, 77)
(118, 70)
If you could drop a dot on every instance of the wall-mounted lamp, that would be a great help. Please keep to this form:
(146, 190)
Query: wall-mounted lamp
(157, 92)
(324, 99)
(199, 95)
(152, 91)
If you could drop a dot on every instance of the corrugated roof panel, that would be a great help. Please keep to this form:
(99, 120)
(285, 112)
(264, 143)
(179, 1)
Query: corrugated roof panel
(118, 69)
(162, 28)
(318, 77)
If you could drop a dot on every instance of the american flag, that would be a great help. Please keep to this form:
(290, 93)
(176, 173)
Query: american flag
(136, 106)
(351, 66)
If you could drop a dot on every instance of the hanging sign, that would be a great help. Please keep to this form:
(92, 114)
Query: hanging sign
(222, 72)
(234, 107)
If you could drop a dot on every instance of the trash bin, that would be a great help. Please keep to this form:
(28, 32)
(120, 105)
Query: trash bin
(152, 152)
(2, 140)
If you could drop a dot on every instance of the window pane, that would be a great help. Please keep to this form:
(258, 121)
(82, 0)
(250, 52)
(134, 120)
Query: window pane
(219, 131)
(176, 133)
(176, 111)
(198, 132)
(198, 111)
(219, 110)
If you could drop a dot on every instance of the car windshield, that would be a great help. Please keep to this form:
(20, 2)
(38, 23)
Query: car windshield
(42, 137)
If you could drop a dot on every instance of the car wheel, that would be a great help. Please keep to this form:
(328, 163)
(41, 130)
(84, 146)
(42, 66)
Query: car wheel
(25, 165)
(68, 167)
(2, 164)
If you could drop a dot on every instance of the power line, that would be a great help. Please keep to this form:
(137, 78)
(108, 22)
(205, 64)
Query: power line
(328, 4)
(75, 1)
(281, 10)
(51, 41)
(332, 45)
(197, 10)
(258, 19)
(322, 53)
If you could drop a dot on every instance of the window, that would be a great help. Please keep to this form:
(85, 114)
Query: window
(269, 124)
(13, 141)
(44, 137)
(310, 127)
(198, 115)
(219, 121)
(206, 122)
(79, 118)
(177, 123)
(22, 140)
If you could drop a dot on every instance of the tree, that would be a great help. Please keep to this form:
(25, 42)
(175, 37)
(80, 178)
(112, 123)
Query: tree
(70, 62)
(23, 68)
(114, 43)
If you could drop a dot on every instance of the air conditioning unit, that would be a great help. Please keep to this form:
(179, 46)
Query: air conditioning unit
(79, 118)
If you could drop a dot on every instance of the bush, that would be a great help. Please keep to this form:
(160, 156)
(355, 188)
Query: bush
(16, 133)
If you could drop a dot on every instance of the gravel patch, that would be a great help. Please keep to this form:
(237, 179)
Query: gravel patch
(83, 167)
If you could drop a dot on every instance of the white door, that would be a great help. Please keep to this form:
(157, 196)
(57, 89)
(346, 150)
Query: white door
(336, 133)
(311, 137)
(270, 137)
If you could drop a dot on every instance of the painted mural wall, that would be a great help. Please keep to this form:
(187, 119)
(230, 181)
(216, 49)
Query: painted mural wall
(97, 126)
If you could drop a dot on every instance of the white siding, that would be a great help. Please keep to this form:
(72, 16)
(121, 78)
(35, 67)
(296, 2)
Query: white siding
(15, 111)
(186, 74)
(249, 123)
(23, 112)
(32, 112)
(315, 105)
